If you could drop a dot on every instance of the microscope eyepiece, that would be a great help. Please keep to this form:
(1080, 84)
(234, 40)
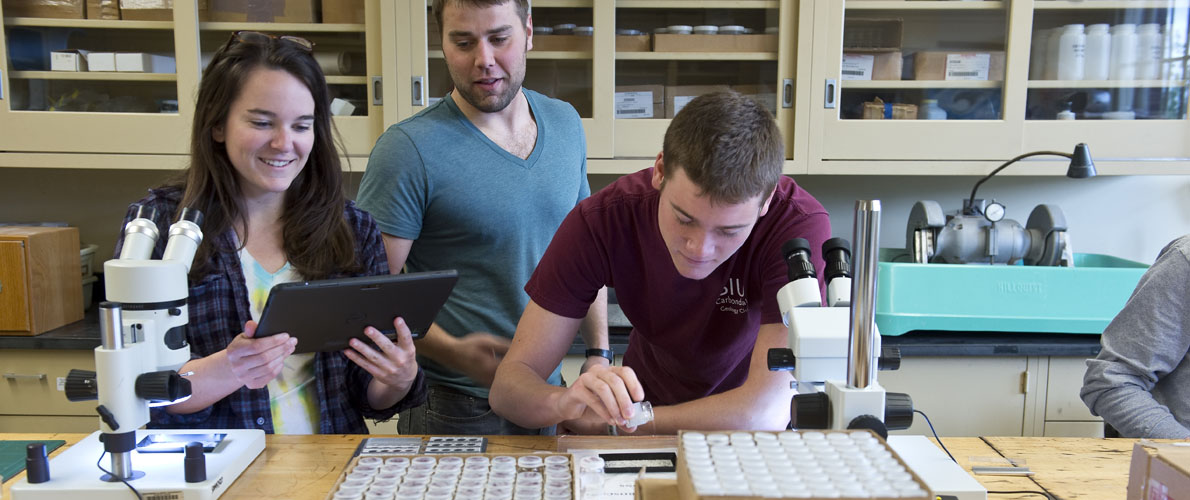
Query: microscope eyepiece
(837, 253)
(797, 258)
(193, 215)
(146, 212)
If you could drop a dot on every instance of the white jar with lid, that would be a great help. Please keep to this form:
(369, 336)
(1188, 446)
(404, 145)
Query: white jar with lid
(931, 111)
(706, 29)
(1148, 51)
(732, 29)
(1037, 50)
(1052, 45)
(1072, 46)
(1123, 52)
(1098, 57)
(680, 29)
(584, 30)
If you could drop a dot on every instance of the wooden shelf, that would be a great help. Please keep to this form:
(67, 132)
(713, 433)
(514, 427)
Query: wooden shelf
(109, 76)
(346, 80)
(1105, 84)
(695, 56)
(1110, 5)
(540, 54)
(686, 4)
(923, 5)
(287, 28)
(920, 84)
(45, 22)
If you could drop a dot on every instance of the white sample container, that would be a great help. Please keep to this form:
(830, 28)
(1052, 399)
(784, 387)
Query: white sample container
(680, 29)
(1040, 44)
(706, 29)
(931, 111)
(1148, 51)
(1072, 47)
(1123, 52)
(1051, 54)
(1098, 53)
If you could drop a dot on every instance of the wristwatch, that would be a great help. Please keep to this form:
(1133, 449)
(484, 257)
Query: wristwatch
(606, 353)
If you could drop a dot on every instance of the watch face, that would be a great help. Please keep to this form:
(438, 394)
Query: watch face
(994, 212)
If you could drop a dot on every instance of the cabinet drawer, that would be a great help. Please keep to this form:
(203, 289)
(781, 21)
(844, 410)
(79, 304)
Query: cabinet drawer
(1062, 401)
(29, 381)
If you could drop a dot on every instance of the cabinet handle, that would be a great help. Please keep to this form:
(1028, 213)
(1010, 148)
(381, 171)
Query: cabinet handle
(830, 94)
(418, 96)
(787, 93)
(377, 93)
(21, 376)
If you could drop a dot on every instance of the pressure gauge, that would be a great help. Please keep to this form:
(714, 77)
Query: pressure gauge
(994, 212)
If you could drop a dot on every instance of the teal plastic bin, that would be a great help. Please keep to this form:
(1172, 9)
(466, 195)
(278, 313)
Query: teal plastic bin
(985, 298)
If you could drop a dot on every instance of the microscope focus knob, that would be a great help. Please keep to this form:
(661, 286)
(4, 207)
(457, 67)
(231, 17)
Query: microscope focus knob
(871, 423)
(81, 386)
(812, 411)
(898, 410)
(890, 358)
(781, 359)
(162, 386)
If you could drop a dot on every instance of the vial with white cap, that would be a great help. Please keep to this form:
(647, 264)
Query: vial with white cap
(642, 413)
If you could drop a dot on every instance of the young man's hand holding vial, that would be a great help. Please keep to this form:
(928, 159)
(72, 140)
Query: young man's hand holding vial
(609, 391)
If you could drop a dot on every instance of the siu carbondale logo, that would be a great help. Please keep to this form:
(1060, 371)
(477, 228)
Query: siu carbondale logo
(732, 298)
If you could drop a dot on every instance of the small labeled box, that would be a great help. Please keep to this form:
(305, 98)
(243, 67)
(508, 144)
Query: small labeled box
(640, 101)
(68, 60)
(103, 9)
(677, 96)
(142, 62)
(956, 65)
(1159, 470)
(871, 65)
(101, 61)
(41, 287)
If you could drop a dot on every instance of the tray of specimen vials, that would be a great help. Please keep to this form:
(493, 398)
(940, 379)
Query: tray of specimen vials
(457, 477)
(792, 464)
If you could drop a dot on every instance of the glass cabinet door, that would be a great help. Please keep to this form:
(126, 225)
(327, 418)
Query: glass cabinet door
(344, 47)
(561, 63)
(669, 52)
(912, 80)
(1111, 74)
(98, 85)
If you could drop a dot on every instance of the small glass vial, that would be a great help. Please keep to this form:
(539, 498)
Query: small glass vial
(642, 413)
(590, 477)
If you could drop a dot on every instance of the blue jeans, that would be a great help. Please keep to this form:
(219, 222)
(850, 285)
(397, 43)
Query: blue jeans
(448, 411)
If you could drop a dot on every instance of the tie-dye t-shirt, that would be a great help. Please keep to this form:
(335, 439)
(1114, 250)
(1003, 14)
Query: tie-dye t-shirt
(293, 395)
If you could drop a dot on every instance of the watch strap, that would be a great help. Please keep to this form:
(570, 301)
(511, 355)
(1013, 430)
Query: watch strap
(604, 353)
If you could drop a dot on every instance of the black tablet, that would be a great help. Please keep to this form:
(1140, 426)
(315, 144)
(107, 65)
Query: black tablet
(324, 315)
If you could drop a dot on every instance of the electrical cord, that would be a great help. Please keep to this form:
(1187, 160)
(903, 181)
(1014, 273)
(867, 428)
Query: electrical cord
(1022, 492)
(931, 424)
(105, 471)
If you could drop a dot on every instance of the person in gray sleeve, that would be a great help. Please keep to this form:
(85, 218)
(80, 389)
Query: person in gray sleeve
(1140, 382)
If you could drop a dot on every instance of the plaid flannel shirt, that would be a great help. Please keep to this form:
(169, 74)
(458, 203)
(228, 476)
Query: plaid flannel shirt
(218, 306)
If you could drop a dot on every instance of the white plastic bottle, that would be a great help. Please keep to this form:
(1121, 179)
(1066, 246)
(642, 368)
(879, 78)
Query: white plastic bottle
(1051, 54)
(1148, 51)
(1123, 52)
(1098, 53)
(1072, 48)
(1174, 55)
(1037, 54)
(931, 111)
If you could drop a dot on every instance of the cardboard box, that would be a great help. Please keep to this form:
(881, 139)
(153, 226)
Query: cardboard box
(714, 43)
(651, 488)
(62, 9)
(343, 11)
(261, 11)
(101, 61)
(957, 65)
(633, 43)
(868, 34)
(764, 94)
(43, 288)
(880, 110)
(68, 60)
(677, 96)
(640, 101)
(871, 65)
(1159, 471)
(141, 62)
(147, 10)
(563, 42)
(103, 9)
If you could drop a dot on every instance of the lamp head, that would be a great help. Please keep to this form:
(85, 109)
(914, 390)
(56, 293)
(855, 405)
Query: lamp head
(1081, 166)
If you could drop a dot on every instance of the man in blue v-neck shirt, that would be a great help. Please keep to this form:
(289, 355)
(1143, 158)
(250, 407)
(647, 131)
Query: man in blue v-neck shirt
(478, 182)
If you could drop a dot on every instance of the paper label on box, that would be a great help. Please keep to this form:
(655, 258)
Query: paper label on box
(635, 105)
(680, 101)
(1157, 491)
(858, 66)
(968, 66)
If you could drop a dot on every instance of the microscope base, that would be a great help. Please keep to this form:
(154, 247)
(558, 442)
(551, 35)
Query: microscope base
(73, 473)
(941, 475)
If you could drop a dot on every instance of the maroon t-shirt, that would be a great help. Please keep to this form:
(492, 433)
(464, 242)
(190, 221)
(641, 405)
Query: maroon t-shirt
(690, 338)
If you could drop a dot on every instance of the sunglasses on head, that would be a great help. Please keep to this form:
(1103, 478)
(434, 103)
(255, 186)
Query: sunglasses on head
(258, 38)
